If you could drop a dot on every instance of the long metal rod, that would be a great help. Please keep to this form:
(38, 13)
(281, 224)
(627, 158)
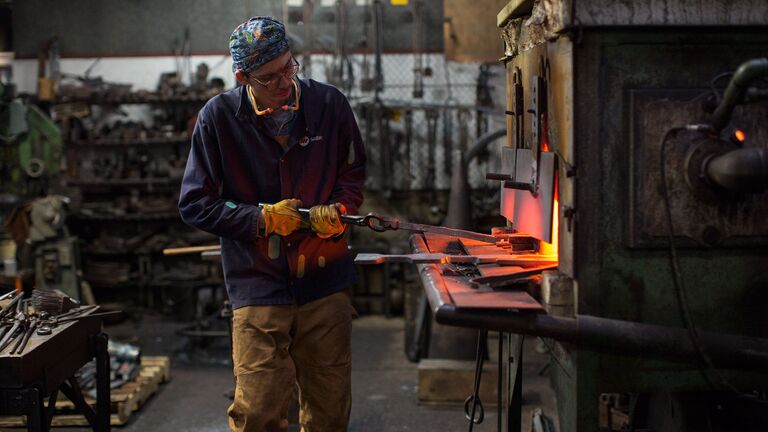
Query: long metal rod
(10, 305)
(391, 223)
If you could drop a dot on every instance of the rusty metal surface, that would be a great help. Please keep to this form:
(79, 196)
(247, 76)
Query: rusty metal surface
(544, 19)
(669, 12)
(636, 285)
(731, 222)
(559, 60)
(526, 24)
(595, 74)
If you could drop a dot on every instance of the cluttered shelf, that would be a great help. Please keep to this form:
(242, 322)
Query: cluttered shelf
(136, 98)
(150, 181)
(160, 216)
(181, 138)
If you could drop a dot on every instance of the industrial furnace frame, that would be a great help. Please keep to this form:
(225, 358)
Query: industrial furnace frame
(660, 288)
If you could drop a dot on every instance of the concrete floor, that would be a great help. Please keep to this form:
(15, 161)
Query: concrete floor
(384, 383)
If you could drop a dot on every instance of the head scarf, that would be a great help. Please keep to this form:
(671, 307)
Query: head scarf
(255, 42)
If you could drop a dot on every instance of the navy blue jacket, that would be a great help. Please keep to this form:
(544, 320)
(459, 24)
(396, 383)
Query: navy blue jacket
(234, 164)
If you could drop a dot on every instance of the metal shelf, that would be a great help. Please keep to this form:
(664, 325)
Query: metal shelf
(106, 142)
(134, 98)
(128, 217)
(158, 181)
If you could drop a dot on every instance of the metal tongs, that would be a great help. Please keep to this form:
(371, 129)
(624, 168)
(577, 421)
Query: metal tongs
(380, 223)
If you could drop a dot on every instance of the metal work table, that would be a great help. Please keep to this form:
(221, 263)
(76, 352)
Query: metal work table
(47, 366)
(454, 302)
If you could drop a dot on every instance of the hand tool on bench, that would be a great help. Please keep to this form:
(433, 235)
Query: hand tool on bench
(10, 305)
(22, 334)
(19, 348)
(11, 334)
(57, 320)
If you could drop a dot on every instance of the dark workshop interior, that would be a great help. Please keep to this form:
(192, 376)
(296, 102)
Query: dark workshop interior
(547, 215)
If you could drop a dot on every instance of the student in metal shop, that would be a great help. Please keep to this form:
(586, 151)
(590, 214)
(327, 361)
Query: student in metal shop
(289, 142)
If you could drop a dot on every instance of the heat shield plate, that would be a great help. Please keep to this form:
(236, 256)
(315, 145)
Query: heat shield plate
(529, 213)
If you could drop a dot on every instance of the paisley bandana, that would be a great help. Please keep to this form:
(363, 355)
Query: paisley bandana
(255, 42)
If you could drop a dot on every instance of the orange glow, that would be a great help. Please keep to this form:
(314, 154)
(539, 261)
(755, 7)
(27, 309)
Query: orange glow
(739, 135)
(544, 144)
(551, 248)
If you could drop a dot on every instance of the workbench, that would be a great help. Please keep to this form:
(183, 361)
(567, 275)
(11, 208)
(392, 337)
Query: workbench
(455, 300)
(47, 366)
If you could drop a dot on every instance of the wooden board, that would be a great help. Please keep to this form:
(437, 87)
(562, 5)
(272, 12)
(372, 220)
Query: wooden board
(125, 399)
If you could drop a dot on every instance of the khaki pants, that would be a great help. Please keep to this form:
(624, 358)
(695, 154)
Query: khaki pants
(277, 347)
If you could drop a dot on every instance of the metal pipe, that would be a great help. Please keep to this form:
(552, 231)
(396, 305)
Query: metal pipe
(742, 170)
(482, 142)
(737, 87)
(459, 206)
(616, 336)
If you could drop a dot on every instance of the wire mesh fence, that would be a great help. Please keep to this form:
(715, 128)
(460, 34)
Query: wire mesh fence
(423, 109)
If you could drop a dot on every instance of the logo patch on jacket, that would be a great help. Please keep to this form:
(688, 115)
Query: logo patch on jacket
(304, 141)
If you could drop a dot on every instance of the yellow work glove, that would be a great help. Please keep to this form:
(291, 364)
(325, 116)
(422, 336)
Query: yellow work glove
(281, 218)
(324, 220)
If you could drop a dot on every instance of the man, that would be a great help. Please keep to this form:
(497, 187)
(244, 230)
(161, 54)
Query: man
(278, 139)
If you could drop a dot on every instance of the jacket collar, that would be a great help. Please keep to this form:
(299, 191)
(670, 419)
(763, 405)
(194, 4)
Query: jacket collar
(308, 101)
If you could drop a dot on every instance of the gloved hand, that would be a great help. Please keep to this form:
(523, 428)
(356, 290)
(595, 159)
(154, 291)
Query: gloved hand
(281, 218)
(324, 219)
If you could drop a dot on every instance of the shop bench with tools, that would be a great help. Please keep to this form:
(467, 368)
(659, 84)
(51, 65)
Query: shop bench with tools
(44, 340)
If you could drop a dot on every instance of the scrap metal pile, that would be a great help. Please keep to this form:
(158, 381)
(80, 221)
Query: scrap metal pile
(124, 366)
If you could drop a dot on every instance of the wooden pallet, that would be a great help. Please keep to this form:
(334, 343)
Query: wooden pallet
(126, 399)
